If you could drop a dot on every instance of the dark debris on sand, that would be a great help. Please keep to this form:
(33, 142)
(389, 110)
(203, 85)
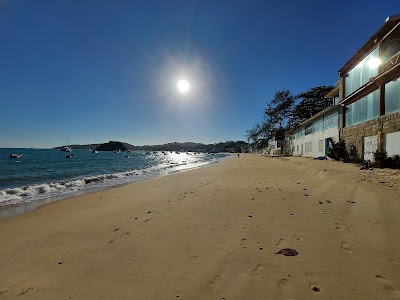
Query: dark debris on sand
(287, 252)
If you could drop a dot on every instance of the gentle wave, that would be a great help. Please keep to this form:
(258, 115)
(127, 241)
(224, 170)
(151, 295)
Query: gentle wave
(35, 192)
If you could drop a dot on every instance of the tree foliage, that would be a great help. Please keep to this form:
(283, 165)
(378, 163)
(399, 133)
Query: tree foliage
(282, 112)
(253, 134)
(279, 108)
(311, 102)
(260, 134)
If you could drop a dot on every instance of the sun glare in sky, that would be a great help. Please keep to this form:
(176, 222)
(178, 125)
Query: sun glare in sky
(183, 86)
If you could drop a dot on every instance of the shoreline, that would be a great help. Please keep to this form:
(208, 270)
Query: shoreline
(214, 233)
(41, 175)
(18, 209)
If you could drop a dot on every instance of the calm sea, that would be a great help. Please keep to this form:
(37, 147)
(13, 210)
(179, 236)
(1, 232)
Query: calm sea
(48, 174)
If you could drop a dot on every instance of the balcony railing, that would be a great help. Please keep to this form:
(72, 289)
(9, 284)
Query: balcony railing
(391, 62)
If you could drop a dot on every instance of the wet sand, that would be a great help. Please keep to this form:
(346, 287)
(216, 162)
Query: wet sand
(213, 233)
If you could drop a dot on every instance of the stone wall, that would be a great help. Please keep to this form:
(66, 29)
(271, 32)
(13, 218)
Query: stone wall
(353, 135)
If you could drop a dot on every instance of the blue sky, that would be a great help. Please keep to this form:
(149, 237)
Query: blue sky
(107, 70)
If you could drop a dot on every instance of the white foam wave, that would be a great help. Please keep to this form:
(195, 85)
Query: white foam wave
(53, 189)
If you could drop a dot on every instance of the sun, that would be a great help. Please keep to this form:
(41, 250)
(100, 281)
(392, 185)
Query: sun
(183, 86)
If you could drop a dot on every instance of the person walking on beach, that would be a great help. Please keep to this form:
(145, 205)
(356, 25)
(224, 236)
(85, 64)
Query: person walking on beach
(238, 155)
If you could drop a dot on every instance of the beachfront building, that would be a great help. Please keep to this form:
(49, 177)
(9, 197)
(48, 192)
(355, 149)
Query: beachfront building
(275, 146)
(314, 136)
(369, 87)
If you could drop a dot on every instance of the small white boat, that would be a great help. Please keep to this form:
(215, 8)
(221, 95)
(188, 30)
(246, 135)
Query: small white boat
(66, 149)
(15, 155)
(95, 151)
(117, 151)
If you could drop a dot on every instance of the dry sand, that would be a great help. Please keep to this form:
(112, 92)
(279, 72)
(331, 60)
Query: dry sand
(212, 233)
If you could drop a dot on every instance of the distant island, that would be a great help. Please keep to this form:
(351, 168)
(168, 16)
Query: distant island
(229, 146)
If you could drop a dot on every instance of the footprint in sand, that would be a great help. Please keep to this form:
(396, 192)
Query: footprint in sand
(297, 236)
(313, 285)
(243, 243)
(213, 285)
(281, 243)
(25, 290)
(285, 289)
(275, 220)
(351, 201)
(389, 288)
(325, 212)
(328, 201)
(345, 248)
(338, 226)
(256, 272)
(321, 202)
(246, 268)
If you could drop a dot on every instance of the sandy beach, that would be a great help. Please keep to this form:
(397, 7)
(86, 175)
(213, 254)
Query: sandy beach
(213, 233)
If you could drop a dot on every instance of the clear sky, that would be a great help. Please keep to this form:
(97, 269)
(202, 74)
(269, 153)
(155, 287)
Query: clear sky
(107, 70)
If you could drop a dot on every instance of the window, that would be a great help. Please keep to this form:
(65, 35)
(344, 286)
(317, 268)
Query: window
(308, 147)
(331, 120)
(319, 125)
(297, 148)
(364, 109)
(299, 134)
(308, 129)
(321, 145)
(360, 74)
(392, 96)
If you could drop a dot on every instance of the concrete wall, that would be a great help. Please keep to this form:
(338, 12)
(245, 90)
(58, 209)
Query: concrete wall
(354, 135)
(313, 149)
(392, 143)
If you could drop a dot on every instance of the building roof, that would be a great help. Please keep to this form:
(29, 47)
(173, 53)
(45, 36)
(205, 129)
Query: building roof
(333, 92)
(390, 23)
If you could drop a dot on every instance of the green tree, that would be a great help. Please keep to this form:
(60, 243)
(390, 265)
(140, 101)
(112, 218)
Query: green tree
(311, 102)
(260, 134)
(279, 109)
(253, 134)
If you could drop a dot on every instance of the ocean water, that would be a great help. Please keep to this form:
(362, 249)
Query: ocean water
(45, 174)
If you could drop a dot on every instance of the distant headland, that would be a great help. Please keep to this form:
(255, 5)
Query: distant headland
(229, 146)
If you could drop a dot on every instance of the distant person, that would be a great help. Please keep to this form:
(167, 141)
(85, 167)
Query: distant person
(238, 155)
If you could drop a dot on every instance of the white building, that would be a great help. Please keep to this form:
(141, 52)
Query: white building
(313, 137)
